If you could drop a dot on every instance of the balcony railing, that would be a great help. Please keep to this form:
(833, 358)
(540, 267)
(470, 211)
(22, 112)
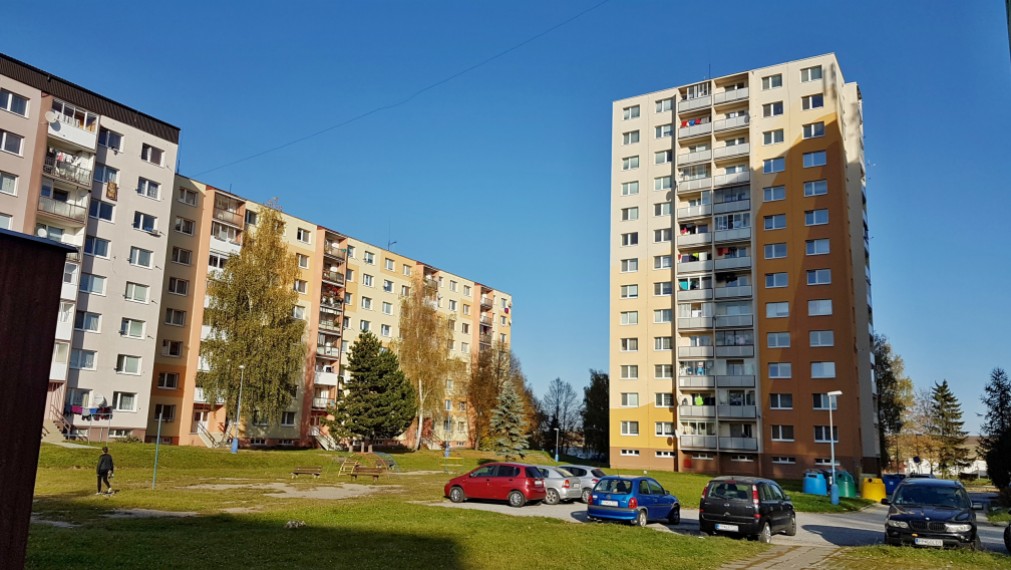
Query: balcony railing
(734, 320)
(730, 96)
(735, 206)
(486, 320)
(733, 263)
(331, 302)
(695, 266)
(698, 441)
(67, 172)
(695, 322)
(326, 378)
(740, 291)
(730, 151)
(694, 239)
(334, 351)
(487, 302)
(736, 234)
(335, 277)
(334, 251)
(695, 131)
(735, 351)
(732, 178)
(731, 123)
(729, 411)
(736, 381)
(694, 184)
(694, 351)
(739, 443)
(330, 325)
(695, 211)
(697, 156)
(485, 338)
(321, 403)
(696, 382)
(696, 103)
(695, 295)
(63, 209)
(233, 218)
(697, 411)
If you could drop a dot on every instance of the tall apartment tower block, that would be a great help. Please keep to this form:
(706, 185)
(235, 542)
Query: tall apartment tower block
(83, 170)
(740, 280)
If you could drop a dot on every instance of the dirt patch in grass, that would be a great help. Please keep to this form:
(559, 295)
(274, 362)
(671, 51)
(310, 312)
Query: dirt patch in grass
(285, 491)
(57, 524)
(147, 514)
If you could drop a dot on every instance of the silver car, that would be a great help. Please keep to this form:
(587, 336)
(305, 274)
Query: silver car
(559, 485)
(588, 477)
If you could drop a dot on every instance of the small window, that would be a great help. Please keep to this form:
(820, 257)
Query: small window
(148, 188)
(774, 280)
(101, 210)
(777, 310)
(11, 142)
(96, 246)
(144, 222)
(10, 101)
(781, 401)
(773, 165)
(630, 317)
(288, 419)
(629, 291)
(630, 400)
(629, 344)
(813, 159)
(175, 317)
(815, 188)
(630, 112)
(773, 137)
(172, 348)
(819, 307)
(131, 328)
(85, 321)
(630, 239)
(817, 246)
(629, 214)
(629, 265)
(8, 183)
(663, 157)
(819, 276)
(178, 286)
(775, 250)
(782, 433)
(140, 257)
(303, 260)
(630, 163)
(629, 428)
(813, 101)
(301, 286)
(780, 370)
(772, 109)
(664, 131)
(110, 139)
(772, 81)
(815, 217)
(773, 193)
(810, 74)
(152, 154)
(629, 188)
(168, 380)
(664, 105)
(823, 370)
(778, 339)
(126, 364)
(303, 235)
(629, 372)
(251, 218)
(187, 196)
(814, 130)
(124, 401)
(775, 222)
(630, 137)
(821, 338)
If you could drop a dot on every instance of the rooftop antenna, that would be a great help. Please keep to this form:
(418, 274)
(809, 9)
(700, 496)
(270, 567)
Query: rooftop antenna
(389, 240)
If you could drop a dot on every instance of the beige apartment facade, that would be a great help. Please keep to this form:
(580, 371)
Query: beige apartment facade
(740, 288)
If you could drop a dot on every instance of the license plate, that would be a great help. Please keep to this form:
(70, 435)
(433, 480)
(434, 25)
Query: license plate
(609, 503)
(928, 542)
(727, 527)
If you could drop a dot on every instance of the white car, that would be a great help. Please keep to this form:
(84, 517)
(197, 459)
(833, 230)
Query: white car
(588, 477)
(559, 485)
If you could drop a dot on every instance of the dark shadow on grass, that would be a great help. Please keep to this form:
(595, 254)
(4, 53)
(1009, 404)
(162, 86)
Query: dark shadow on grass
(230, 541)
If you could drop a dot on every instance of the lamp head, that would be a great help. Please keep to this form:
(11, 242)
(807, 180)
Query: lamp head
(836, 393)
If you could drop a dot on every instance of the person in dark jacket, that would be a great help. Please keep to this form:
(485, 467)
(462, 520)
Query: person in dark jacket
(105, 469)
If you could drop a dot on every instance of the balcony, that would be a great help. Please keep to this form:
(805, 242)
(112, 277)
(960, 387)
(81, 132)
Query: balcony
(334, 304)
(335, 277)
(695, 323)
(735, 206)
(486, 303)
(65, 325)
(726, 411)
(732, 151)
(736, 234)
(697, 156)
(695, 295)
(707, 382)
(330, 325)
(734, 320)
(697, 411)
(228, 217)
(688, 185)
(698, 441)
(739, 443)
(694, 211)
(63, 209)
(68, 291)
(700, 130)
(486, 320)
(321, 403)
(739, 291)
(331, 351)
(74, 131)
(58, 371)
(733, 263)
(736, 381)
(731, 123)
(696, 103)
(730, 96)
(695, 351)
(735, 351)
(686, 240)
(331, 249)
(67, 171)
(326, 378)
(732, 178)
(694, 266)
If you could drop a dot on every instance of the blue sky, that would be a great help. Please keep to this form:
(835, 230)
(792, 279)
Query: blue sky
(509, 162)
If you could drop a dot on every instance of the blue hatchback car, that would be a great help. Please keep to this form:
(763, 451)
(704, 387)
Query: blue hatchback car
(637, 500)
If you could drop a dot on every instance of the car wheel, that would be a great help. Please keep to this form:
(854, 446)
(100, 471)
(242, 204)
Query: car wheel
(516, 499)
(791, 529)
(707, 529)
(675, 515)
(640, 519)
(764, 534)
(552, 498)
(586, 496)
(457, 495)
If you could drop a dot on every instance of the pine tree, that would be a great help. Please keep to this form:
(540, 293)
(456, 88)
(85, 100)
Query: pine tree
(995, 433)
(491, 370)
(946, 425)
(379, 403)
(250, 317)
(596, 410)
(507, 423)
(895, 396)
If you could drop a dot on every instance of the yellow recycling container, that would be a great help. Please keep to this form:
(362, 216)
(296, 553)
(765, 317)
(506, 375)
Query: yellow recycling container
(872, 489)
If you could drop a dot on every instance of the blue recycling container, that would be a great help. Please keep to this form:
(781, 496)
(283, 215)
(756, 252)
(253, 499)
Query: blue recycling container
(892, 481)
(814, 483)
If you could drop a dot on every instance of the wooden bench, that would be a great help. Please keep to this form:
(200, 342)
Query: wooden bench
(362, 470)
(314, 471)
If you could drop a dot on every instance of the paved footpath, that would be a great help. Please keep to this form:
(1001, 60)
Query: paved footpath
(783, 557)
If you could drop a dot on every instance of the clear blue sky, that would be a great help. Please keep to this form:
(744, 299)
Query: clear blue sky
(509, 162)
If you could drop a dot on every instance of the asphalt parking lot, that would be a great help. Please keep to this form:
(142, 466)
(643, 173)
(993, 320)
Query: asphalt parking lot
(860, 528)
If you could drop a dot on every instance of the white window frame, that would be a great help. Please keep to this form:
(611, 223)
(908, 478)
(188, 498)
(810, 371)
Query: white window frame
(823, 369)
(780, 370)
(815, 159)
(821, 338)
(630, 427)
(816, 305)
(777, 310)
(819, 276)
(124, 363)
(777, 339)
(815, 188)
(816, 217)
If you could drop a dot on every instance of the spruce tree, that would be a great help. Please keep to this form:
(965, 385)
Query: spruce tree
(946, 425)
(995, 433)
(250, 315)
(596, 409)
(378, 403)
(507, 423)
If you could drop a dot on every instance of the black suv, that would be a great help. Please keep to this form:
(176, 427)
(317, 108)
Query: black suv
(747, 506)
(931, 512)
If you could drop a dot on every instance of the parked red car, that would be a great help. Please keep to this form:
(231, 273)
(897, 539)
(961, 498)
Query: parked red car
(513, 482)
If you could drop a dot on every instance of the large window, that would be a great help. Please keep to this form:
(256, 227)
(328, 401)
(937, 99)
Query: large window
(140, 257)
(777, 310)
(136, 292)
(11, 142)
(151, 154)
(81, 359)
(10, 101)
(823, 370)
(101, 210)
(775, 250)
(126, 364)
(815, 188)
(815, 217)
(148, 188)
(780, 370)
(124, 401)
(8, 183)
(629, 428)
(775, 222)
(813, 101)
(819, 276)
(816, 158)
(774, 165)
(819, 307)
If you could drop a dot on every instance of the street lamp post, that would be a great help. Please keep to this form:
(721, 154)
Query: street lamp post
(238, 409)
(831, 438)
(556, 445)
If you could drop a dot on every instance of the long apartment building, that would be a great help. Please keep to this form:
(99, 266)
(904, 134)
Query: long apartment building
(740, 280)
(81, 169)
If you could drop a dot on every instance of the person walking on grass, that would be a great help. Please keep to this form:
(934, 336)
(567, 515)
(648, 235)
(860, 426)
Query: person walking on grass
(105, 470)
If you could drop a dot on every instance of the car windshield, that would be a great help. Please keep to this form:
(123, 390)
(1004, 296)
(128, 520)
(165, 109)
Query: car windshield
(615, 486)
(950, 497)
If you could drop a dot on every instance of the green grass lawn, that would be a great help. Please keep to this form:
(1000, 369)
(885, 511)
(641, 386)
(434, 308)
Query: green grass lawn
(892, 557)
(243, 527)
